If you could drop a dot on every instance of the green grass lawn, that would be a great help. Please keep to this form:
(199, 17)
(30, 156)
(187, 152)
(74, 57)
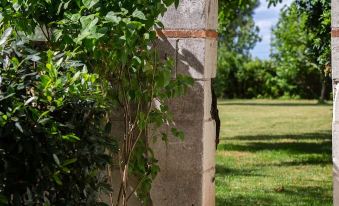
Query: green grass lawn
(274, 152)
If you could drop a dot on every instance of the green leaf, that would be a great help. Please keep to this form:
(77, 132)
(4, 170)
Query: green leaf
(66, 170)
(75, 77)
(6, 97)
(45, 81)
(137, 60)
(88, 22)
(69, 161)
(71, 137)
(18, 126)
(112, 17)
(33, 57)
(89, 3)
(179, 134)
(43, 114)
(30, 100)
(139, 14)
(57, 34)
(176, 3)
(44, 120)
(164, 78)
(56, 159)
(89, 29)
(164, 137)
(66, 4)
(5, 36)
(57, 179)
(169, 2)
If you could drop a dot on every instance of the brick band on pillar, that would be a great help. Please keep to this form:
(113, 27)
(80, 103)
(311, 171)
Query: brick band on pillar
(188, 33)
(335, 32)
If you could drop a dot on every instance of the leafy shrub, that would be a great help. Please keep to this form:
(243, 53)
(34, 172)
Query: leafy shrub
(259, 79)
(53, 146)
(239, 76)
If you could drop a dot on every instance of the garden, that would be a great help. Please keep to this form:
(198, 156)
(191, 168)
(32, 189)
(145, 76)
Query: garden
(84, 92)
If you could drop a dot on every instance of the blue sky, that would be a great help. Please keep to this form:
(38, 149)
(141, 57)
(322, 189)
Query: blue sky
(266, 18)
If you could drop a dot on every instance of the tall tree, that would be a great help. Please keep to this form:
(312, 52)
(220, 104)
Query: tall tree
(318, 25)
(301, 48)
(237, 29)
(238, 34)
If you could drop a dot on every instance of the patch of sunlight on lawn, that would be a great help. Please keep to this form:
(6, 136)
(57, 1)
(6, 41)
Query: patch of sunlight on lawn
(274, 152)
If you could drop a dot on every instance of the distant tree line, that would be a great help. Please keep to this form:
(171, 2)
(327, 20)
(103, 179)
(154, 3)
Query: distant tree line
(299, 64)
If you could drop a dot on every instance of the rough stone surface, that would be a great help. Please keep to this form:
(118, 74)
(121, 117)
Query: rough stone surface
(335, 157)
(196, 57)
(179, 181)
(177, 188)
(187, 154)
(187, 167)
(335, 13)
(335, 58)
(208, 187)
(209, 134)
(192, 14)
(195, 105)
(335, 146)
(211, 56)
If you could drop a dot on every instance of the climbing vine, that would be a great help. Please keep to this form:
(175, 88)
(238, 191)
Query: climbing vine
(110, 47)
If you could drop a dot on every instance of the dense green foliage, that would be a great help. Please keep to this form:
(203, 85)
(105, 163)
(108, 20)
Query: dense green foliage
(116, 42)
(300, 62)
(53, 141)
(241, 77)
(302, 49)
(238, 34)
(237, 30)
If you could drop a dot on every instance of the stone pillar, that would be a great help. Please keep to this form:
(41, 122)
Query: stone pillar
(188, 167)
(335, 78)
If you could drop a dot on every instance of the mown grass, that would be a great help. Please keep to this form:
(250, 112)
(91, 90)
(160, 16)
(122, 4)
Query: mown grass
(274, 152)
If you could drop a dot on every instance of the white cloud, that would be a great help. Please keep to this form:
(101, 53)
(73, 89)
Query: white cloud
(265, 30)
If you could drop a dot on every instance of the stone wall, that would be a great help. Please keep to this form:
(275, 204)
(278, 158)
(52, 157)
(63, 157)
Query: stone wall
(188, 167)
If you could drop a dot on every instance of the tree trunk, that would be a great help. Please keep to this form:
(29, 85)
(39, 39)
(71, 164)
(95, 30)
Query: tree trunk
(323, 90)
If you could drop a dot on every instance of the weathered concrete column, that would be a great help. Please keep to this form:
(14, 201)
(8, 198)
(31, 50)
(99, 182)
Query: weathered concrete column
(335, 77)
(188, 167)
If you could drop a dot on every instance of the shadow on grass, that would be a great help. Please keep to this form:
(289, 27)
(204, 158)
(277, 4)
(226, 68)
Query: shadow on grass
(290, 195)
(280, 104)
(222, 170)
(300, 147)
(289, 147)
(244, 201)
(307, 193)
(326, 135)
(323, 160)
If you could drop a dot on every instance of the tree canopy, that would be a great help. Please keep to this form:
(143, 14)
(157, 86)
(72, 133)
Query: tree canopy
(300, 60)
